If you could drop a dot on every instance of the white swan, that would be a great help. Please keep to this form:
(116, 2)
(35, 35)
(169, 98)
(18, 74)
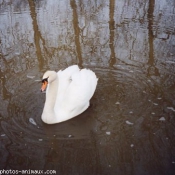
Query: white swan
(68, 93)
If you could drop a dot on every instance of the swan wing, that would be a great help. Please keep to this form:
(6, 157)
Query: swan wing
(64, 80)
(75, 94)
(79, 91)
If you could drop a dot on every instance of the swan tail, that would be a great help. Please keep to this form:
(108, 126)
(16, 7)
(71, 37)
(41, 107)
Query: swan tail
(90, 77)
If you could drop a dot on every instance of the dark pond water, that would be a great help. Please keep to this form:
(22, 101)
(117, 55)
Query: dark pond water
(129, 128)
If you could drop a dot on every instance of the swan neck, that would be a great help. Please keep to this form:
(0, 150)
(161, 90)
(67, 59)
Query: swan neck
(48, 115)
(51, 95)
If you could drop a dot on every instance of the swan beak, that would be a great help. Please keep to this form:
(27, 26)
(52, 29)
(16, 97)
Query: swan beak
(44, 85)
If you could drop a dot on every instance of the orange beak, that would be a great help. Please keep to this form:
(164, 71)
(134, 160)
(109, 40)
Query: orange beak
(44, 85)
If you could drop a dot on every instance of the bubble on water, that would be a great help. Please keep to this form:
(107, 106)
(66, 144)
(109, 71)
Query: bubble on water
(108, 133)
(117, 103)
(32, 121)
(132, 145)
(162, 119)
(155, 104)
(129, 123)
(30, 76)
(171, 108)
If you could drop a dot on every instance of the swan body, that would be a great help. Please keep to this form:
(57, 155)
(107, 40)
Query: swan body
(68, 93)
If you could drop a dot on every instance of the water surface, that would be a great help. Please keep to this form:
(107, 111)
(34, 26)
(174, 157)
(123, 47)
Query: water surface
(130, 126)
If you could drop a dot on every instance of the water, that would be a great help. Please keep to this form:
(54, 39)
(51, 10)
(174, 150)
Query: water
(129, 127)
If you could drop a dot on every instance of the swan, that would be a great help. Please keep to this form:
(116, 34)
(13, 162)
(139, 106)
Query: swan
(67, 93)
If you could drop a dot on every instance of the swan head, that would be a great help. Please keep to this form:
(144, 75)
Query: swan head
(48, 78)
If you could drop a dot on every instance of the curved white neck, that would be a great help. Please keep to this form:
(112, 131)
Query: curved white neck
(48, 115)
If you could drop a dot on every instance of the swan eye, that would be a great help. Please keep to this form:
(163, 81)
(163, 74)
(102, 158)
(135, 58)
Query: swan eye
(45, 80)
(44, 84)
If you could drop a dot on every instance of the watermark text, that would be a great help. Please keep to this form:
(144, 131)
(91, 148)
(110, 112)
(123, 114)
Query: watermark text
(29, 171)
